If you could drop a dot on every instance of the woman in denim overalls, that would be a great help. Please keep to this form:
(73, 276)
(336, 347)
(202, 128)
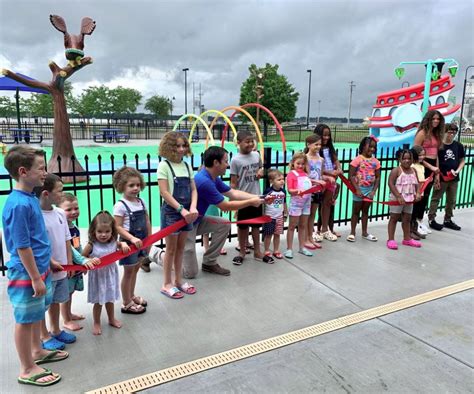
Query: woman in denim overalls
(133, 225)
(176, 183)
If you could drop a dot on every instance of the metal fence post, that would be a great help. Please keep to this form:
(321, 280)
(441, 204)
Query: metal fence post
(267, 163)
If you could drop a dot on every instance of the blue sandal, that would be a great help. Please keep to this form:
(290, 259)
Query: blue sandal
(53, 344)
(65, 337)
(305, 252)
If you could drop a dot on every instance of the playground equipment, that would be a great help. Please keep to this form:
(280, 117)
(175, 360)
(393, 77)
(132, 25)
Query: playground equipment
(198, 119)
(252, 120)
(221, 114)
(275, 120)
(397, 114)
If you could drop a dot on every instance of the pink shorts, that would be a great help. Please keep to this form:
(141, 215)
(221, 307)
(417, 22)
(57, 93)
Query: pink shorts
(300, 206)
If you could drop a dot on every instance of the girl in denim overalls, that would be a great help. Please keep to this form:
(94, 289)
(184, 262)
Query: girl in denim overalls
(133, 225)
(177, 188)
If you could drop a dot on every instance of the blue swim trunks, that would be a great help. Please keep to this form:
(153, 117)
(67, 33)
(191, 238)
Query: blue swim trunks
(27, 309)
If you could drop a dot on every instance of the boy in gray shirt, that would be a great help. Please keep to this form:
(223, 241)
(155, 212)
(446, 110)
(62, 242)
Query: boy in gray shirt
(245, 172)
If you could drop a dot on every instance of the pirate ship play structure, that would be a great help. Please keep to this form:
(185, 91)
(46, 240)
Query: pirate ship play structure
(396, 115)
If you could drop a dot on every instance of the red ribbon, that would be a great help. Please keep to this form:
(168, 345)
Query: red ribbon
(148, 241)
(260, 220)
(315, 189)
(352, 188)
(394, 203)
(153, 238)
(348, 183)
(426, 183)
(448, 177)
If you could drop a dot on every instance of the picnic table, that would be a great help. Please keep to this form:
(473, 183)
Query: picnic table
(110, 135)
(19, 134)
(195, 134)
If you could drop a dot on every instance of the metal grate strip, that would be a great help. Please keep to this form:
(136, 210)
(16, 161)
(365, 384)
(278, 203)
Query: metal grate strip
(192, 367)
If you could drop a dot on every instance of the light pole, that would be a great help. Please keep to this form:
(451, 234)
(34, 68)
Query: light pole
(170, 101)
(194, 99)
(433, 71)
(351, 88)
(319, 109)
(186, 89)
(462, 101)
(309, 97)
(405, 82)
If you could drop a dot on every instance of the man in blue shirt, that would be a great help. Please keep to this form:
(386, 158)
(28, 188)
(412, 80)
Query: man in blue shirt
(212, 191)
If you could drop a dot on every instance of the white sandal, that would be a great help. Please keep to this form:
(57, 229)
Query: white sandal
(370, 237)
(318, 237)
(330, 236)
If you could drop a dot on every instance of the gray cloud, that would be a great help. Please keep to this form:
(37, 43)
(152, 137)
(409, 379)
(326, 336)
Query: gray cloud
(340, 41)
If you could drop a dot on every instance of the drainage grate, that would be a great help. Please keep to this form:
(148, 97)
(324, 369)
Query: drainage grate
(219, 359)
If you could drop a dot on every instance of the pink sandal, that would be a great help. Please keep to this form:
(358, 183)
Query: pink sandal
(391, 244)
(187, 288)
(412, 243)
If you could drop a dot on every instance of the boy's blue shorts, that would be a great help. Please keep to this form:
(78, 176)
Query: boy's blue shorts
(76, 282)
(60, 291)
(27, 309)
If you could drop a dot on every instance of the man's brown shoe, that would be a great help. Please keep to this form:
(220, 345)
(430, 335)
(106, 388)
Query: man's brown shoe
(215, 269)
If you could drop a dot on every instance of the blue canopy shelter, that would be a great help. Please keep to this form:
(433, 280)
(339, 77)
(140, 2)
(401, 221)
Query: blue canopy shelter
(10, 84)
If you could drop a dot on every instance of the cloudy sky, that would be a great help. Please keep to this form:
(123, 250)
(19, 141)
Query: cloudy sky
(145, 44)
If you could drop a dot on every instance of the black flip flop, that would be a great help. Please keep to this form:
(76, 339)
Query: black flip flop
(267, 259)
(237, 260)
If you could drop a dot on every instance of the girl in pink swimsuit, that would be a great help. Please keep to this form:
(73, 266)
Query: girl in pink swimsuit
(403, 184)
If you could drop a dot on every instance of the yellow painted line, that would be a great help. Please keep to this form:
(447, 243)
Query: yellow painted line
(202, 364)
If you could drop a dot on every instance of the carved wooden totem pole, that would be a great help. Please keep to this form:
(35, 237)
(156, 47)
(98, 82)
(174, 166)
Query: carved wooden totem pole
(62, 140)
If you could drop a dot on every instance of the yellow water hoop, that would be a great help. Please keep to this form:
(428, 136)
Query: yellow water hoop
(214, 111)
(252, 120)
(209, 133)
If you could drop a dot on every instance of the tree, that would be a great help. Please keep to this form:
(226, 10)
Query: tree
(95, 102)
(125, 100)
(159, 105)
(265, 86)
(98, 101)
(7, 107)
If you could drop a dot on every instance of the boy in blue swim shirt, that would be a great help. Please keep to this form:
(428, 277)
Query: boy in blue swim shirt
(29, 285)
